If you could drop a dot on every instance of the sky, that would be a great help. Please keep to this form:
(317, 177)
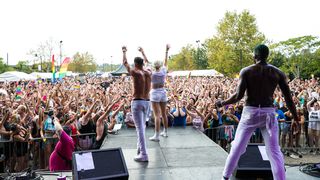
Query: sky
(101, 27)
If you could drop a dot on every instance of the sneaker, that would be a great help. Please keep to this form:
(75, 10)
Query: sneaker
(141, 158)
(154, 138)
(164, 134)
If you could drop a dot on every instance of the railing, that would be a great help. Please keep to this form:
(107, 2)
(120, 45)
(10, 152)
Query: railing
(304, 142)
(18, 156)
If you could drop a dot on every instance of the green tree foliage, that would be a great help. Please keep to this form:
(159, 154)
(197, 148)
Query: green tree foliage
(108, 67)
(183, 60)
(302, 55)
(23, 66)
(231, 49)
(200, 57)
(82, 62)
(2, 66)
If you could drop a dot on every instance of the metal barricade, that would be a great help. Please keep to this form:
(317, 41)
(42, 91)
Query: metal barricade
(18, 156)
(304, 141)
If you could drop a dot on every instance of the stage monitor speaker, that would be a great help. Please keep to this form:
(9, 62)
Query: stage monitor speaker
(251, 164)
(99, 164)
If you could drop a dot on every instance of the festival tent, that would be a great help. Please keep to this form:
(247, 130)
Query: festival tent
(207, 72)
(43, 75)
(15, 76)
(120, 71)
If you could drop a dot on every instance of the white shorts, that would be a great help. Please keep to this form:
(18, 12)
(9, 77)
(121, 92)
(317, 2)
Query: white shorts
(315, 125)
(158, 95)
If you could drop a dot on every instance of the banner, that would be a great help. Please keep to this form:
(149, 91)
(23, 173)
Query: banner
(64, 67)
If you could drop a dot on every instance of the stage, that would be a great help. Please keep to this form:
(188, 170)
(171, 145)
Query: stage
(185, 154)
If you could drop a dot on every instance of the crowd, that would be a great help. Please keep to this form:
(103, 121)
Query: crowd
(88, 109)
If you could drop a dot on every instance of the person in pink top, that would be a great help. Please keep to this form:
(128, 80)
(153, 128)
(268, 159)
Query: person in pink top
(61, 157)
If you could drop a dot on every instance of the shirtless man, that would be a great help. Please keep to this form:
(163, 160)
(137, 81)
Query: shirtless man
(139, 104)
(259, 82)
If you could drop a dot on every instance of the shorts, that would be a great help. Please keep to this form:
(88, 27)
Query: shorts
(315, 125)
(284, 128)
(158, 95)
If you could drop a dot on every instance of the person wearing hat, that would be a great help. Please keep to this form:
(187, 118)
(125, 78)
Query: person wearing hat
(259, 82)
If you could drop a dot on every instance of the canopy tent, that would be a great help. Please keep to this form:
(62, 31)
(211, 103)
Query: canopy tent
(120, 71)
(106, 74)
(207, 72)
(43, 75)
(15, 76)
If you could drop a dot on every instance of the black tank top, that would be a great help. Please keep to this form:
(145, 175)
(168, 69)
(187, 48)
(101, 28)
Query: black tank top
(90, 127)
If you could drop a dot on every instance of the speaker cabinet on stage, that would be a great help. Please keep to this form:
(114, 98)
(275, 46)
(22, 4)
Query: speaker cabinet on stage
(99, 164)
(251, 164)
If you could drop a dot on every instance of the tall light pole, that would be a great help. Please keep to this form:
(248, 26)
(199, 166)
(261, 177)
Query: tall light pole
(198, 59)
(111, 63)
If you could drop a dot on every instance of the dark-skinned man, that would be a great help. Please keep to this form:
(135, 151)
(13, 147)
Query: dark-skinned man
(258, 83)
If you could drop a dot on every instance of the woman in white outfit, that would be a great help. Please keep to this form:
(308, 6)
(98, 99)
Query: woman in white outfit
(158, 97)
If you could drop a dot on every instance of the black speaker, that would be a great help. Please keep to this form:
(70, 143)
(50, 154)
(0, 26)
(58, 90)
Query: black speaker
(251, 164)
(99, 164)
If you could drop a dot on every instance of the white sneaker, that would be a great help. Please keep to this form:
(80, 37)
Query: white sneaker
(164, 134)
(154, 138)
(141, 158)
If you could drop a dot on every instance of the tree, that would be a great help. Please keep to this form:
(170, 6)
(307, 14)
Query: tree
(23, 66)
(184, 60)
(300, 52)
(82, 62)
(231, 49)
(2, 66)
(200, 57)
(43, 53)
(106, 67)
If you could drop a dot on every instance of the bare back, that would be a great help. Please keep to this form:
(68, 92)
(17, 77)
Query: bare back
(139, 84)
(147, 75)
(261, 81)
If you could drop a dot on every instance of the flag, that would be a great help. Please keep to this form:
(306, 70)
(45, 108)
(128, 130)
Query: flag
(64, 67)
(53, 69)
(18, 93)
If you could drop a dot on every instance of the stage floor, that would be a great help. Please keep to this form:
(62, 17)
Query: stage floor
(186, 154)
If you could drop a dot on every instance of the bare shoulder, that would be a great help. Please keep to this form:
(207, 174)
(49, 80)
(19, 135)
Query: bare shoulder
(276, 70)
(147, 71)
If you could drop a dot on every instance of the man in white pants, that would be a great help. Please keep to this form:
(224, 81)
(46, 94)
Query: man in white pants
(259, 81)
(140, 104)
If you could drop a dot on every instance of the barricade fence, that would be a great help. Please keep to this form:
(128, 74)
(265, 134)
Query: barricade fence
(18, 156)
(306, 141)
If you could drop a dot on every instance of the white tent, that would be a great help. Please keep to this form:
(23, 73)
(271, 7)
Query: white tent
(43, 75)
(207, 72)
(15, 76)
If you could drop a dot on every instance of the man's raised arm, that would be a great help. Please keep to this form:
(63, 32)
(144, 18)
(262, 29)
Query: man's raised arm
(145, 59)
(124, 59)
